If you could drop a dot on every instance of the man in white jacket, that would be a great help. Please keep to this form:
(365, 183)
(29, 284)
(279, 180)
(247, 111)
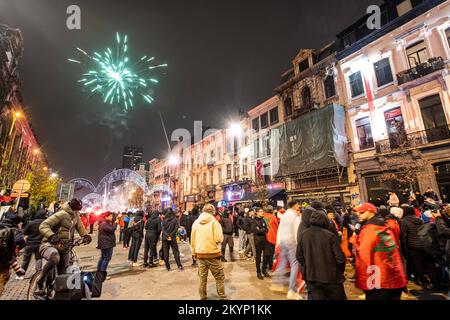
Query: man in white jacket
(287, 241)
(206, 237)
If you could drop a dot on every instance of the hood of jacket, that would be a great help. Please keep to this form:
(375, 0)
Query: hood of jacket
(205, 218)
(155, 215)
(68, 209)
(319, 219)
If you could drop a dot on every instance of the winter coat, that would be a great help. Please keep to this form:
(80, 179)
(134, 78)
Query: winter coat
(153, 224)
(247, 224)
(206, 236)
(170, 227)
(136, 230)
(393, 200)
(288, 228)
(192, 218)
(260, 229)
(184, 220)
(92, 218)
(9, 260)
(32, 229)
(272, 224)
(319, 253)
(375, 249)
(63, 224)
(106, 235)
(306, 217)
(227, 225)
(13, 224)
(443, 231)
(409, 232)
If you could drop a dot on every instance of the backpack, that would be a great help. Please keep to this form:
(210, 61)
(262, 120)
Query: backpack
(4, 237)
(428, 238)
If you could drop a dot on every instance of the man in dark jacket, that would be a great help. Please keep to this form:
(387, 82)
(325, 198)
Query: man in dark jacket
(249, 223)
(195, 213)
(421, 262)
(170, 227)
(322, 260)
(306, 216)
(227, 228)
(260, 230)
(33, 240)
(106, 240)
(136, 231)
(152, 233)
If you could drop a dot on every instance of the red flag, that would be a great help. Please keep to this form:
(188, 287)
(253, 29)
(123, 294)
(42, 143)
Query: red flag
(369, 95)
(259, 167)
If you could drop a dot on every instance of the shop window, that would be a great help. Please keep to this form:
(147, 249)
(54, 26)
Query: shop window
(356, 84)
(417, 54)
(364, 132)
(383, 72)
(274, 116)
(330, 88)
(264, 120)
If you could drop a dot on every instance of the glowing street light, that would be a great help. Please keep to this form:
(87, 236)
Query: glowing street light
(36, 151)
(18, 114)
(174, 160)
(54, 175)
(236, 129)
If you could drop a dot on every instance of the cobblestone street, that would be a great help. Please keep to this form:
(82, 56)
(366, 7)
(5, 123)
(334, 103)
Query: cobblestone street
(127, 283)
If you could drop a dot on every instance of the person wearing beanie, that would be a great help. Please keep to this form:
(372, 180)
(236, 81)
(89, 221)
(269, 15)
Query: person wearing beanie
(170, 227)
(227, 228)
(206, 237)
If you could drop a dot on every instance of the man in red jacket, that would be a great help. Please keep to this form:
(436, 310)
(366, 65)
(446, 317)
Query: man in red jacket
(272, 222)
(92, 220)
(378, 263)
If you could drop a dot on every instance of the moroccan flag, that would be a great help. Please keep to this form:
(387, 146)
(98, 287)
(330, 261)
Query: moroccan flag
(259, 167)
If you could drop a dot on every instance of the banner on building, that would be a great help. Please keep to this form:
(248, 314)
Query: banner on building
(314, 141)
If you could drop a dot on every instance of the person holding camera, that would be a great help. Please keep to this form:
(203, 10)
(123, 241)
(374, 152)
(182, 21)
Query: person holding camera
(65, 221)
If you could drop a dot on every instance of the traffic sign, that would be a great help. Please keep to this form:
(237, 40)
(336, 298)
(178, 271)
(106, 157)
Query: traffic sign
(22, 195)
(21, 186)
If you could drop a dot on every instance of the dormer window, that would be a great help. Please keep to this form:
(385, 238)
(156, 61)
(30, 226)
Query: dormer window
(303, 65)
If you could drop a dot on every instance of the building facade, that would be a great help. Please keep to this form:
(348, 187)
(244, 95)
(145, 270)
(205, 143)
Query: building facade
(19, 148)
(396, 89)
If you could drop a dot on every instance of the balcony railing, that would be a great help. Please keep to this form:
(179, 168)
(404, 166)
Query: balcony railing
(411, 140)
(421, 70)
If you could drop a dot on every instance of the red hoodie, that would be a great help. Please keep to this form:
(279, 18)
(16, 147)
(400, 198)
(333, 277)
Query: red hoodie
(378, 253)
(272, 223)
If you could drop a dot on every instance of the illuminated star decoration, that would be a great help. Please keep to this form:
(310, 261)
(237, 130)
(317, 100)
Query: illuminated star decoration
(113, 78)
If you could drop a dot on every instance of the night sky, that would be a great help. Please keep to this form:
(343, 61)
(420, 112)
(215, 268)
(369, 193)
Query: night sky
(223, 56)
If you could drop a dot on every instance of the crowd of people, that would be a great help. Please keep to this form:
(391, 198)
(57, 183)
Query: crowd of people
(382, 244)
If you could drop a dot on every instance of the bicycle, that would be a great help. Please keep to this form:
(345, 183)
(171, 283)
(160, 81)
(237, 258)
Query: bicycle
(86, 278)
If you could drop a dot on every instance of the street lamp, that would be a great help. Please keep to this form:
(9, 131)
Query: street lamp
(236, 129)
(54, 175)
(174, 160)
(16, 115)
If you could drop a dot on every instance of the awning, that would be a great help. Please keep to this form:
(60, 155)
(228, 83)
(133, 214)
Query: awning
(254, 196)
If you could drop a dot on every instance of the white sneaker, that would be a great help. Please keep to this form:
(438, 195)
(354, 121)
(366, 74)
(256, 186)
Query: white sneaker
(135, 264)
(19, 278)
(292, 295)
